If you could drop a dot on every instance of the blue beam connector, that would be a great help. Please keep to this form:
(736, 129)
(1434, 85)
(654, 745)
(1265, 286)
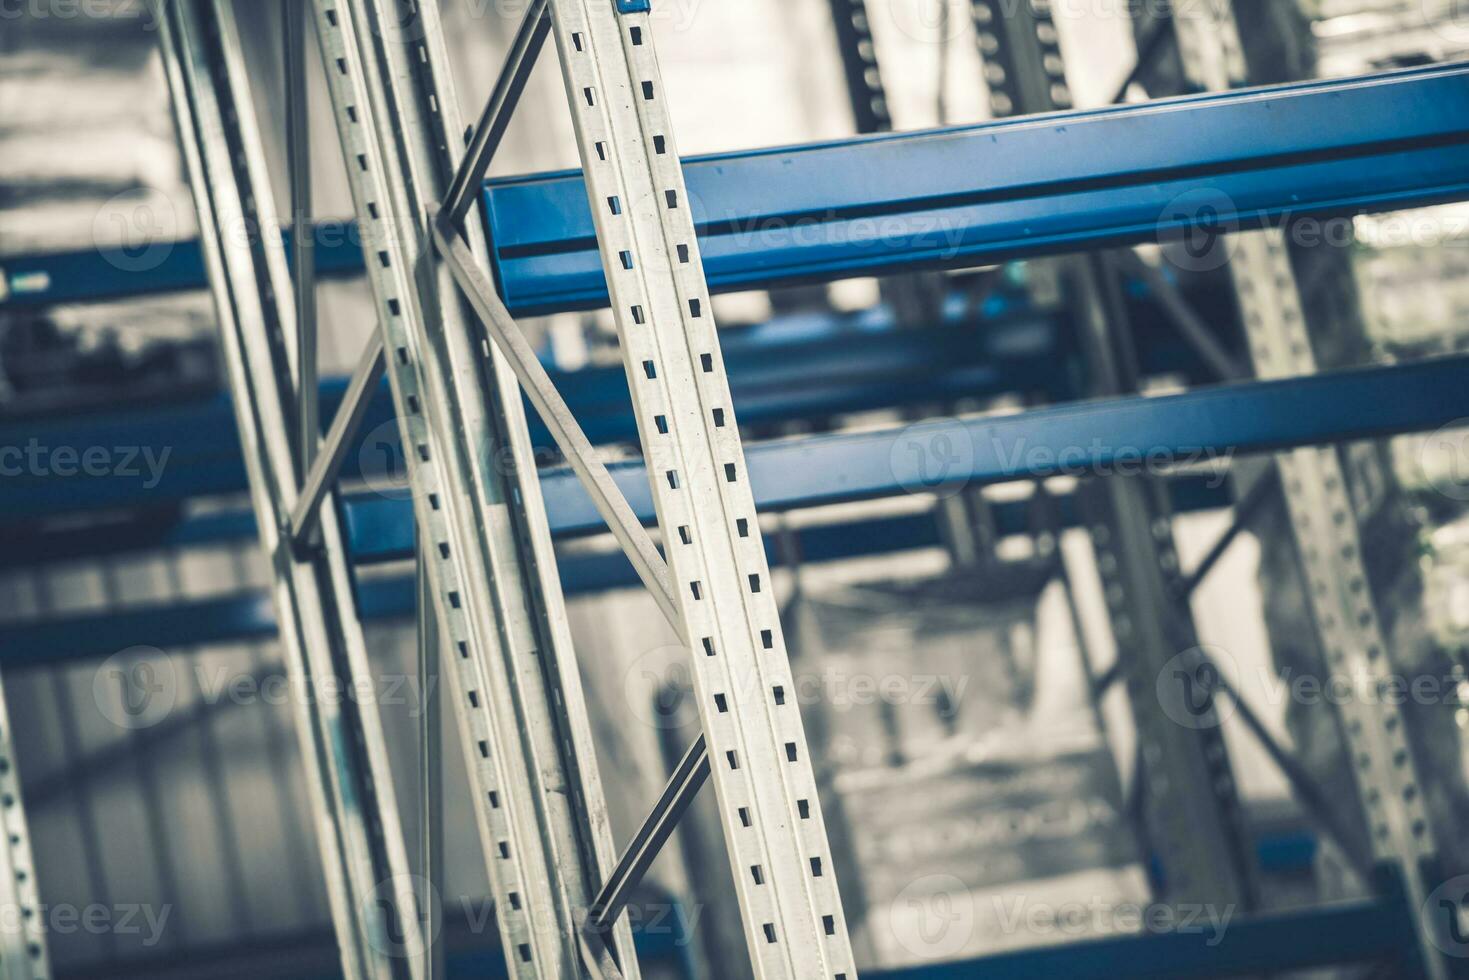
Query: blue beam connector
(634, 6)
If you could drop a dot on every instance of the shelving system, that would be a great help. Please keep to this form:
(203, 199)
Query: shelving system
(652, 235)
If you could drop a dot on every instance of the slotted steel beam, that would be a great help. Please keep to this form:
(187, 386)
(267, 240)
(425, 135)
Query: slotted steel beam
(1190, 792)
(1328, 538)
(761, 769)
(23, 953)
(512, 679)
(350, 785)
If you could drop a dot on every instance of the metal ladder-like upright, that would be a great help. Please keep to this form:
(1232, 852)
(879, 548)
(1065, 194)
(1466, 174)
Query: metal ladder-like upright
(1328, 537)
(456, 363)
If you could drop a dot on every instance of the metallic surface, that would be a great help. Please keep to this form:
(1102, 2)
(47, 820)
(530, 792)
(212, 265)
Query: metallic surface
(1060, 183)
(1328, 538)
(340, 438)
(762, 770)
(514, 683)
(361, 842)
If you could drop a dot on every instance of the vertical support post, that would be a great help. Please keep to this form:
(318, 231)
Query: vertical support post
(513, 682)
(361, 841)
(762, 773)
(430, 778)
(1327, 536)
(859, 64)
(295, 17)
(1193, 815)
(23, 954)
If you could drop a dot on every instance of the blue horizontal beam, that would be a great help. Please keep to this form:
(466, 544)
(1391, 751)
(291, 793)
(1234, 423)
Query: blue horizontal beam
(964, 196)
(804, 368)
(382, 531)
(1349, 933)
(1113, 436)
(1095, 437)
(92, 275)
(983, 194)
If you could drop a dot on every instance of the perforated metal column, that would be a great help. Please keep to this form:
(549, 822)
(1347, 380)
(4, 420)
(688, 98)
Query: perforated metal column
(1324, 523)
(22, 929)
(762, 773)
(357, 826)
(513, 679)
(1191, 802)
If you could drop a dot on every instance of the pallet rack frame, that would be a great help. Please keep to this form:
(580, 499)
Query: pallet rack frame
(293, 529)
